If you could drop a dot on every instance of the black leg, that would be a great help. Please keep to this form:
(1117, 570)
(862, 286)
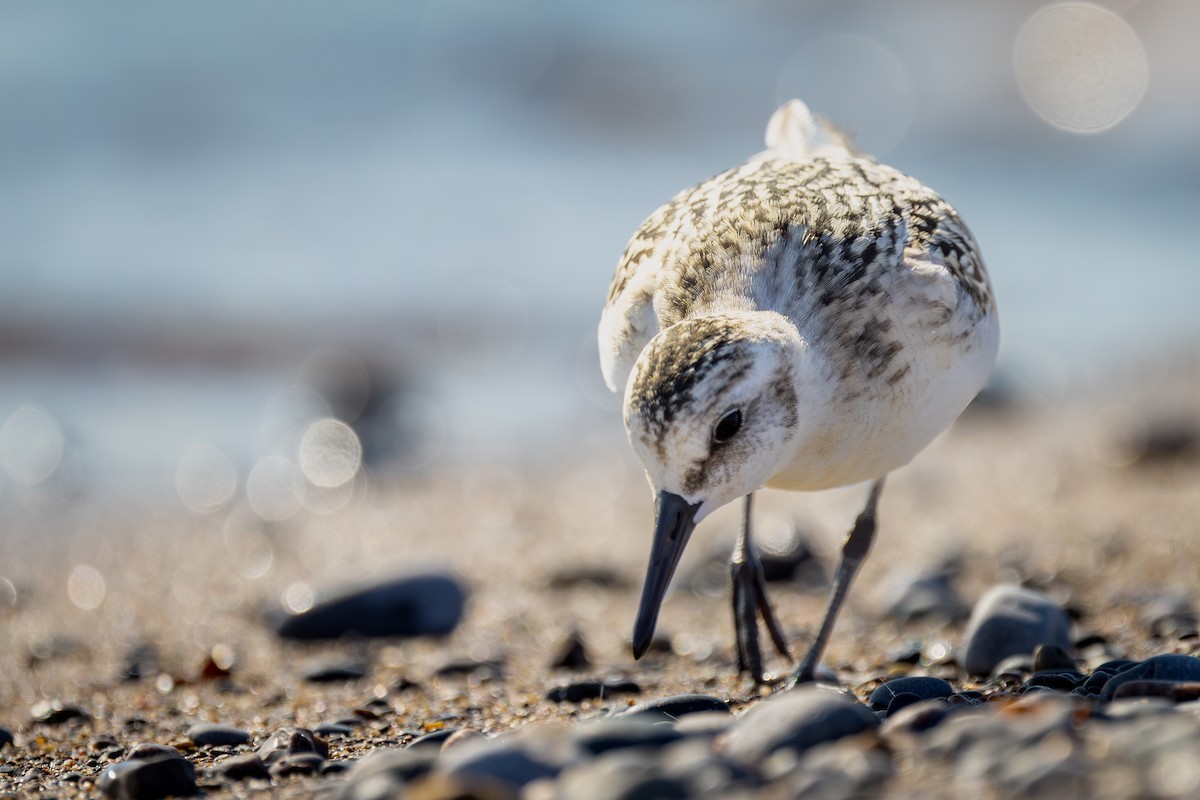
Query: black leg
(749, 601)
(854, 550)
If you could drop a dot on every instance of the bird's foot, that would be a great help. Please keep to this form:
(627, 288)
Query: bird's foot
(749, 602)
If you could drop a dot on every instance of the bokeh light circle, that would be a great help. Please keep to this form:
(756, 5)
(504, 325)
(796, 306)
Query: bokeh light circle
(330, 453)
(1080, 67)
(205, 479)
(31, 445)
(86, 587)
(272, 488)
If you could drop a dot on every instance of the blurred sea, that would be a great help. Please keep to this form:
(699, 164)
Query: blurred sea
(194, 198)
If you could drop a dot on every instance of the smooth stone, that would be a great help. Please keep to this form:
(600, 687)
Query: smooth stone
(152, 779)
(292, 741)
(928, 595)
(1174, 668)
(1049, 658)
(383, 774)
(1058, 681)
(298, 764)
(486, 669)
(220, 735)
(925, 688)
(6, 738)
(331, 673)
(428, 604)
(53, 712)
(915, 719)
(604, 735)
(571, 653)
(333, 729)
(146, 750)
(796, 720)
(1009, 620)
(591, 690)
(338, 766)
(433, 739)
(679, 705)
(247, 766)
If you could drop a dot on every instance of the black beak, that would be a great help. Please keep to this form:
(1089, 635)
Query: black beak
(674, 523)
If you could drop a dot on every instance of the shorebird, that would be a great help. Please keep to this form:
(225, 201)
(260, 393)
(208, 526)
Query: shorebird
(809, 319)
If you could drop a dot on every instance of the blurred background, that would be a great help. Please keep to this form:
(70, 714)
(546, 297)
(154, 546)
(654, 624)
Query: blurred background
(252, 252)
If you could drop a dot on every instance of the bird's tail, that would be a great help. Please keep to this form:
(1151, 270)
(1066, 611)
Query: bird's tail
(795, 132)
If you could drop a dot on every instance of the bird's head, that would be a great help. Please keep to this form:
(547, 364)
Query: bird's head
(711, 410)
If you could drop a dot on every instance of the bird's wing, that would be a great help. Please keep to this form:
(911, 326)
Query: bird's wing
(628, 321)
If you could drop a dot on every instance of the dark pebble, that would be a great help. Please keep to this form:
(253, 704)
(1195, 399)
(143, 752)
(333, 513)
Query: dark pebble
(792, 560)
(591, 690)
(331, 673)
(678, 705)
(796, 720)
(1009, 620)
(147, 750)
(570, 653)
(1111, 668)
(1172, 617)
(6, 738)
(218, 735)
(291, 741)
(298, 764)
(383, 774)
(915, 718)
(929, 595)
(247, 766)
(56, 713)
(418, 605)
(925, 688)
(1094, 683)
(1089, 639)
(337, 767)
(902, 700)
(1058, 681)
(1049, 658)
(71, 777)
(1175, 668)
(333, 729)
(486, 669)
(598, 576)
(604, 735)
(1164, 441)
(159, 777)
(141, 662)
(433, 739)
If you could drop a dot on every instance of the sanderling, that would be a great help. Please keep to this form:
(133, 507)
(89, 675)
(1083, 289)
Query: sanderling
(809, 319)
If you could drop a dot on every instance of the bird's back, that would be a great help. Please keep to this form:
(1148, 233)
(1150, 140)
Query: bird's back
(807, 228)
(879, 274)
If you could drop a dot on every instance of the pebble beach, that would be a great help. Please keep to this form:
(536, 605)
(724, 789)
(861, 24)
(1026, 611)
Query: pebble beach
(1025, 627)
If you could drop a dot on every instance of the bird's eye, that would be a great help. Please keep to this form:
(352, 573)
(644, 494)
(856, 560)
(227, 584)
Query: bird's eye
(728, 426)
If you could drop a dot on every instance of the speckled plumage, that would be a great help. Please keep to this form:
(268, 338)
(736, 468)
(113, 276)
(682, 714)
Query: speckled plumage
(880, 277)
